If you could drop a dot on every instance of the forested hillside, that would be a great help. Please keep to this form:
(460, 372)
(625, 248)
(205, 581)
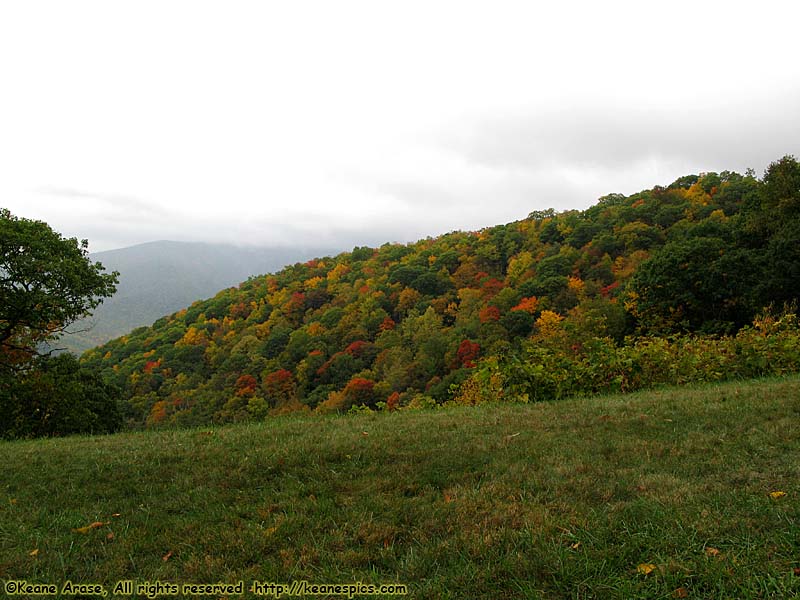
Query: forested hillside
(408, 324)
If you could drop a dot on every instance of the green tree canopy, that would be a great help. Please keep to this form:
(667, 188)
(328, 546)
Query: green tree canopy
(781, 188)
(695, 284)
(46, 283)
(58, 397)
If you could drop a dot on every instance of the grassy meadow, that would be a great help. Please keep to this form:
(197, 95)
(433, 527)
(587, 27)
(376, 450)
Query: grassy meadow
(679, 492)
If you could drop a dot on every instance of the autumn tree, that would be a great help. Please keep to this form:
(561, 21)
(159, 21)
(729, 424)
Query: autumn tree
(360, 391)
(467, 353)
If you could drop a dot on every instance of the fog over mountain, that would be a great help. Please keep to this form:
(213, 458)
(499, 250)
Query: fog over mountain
(159, 278)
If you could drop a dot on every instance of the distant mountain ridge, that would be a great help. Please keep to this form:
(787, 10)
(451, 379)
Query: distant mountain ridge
(158, 278)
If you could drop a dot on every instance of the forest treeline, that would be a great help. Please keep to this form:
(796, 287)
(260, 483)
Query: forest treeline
(690, 265)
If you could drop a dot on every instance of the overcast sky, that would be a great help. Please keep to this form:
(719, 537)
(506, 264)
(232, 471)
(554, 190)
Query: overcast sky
(352, 123)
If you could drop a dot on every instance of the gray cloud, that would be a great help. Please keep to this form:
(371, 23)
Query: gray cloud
(487, 169)
(713, 133)
(568, 156)
(128, 204)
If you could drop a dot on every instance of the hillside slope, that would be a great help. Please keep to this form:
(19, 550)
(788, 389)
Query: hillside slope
(158, 278)
(407, 324)
(553, 500)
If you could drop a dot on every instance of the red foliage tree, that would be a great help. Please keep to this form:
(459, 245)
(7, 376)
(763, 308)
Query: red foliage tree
(491, 286)
(489, 313)
(606, 291)
(528, 305)
(356, 348)
(296, 304)
(467, 353)
(245, 386)
(393, 401)
(280, 386)
(360, 391)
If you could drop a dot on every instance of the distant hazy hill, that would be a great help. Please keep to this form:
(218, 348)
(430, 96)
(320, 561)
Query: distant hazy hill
(158, 278)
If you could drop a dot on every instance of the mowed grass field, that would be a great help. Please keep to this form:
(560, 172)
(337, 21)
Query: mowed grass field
(680, 492)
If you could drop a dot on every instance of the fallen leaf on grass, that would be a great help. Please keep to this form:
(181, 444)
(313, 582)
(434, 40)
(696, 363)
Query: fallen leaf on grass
(681, 592)
(645, 568)
(365, 433)
(712, 551)
(508, 438)
(116, 515)
(575, 546)
(167, 556)
(33, 552)
(91, 526)
(110, 536)
(777, 494)
(448, 498)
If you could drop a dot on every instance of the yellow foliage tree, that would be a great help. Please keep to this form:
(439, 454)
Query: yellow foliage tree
(313, 283)
(336, 273)
(577, 286)
(518, 267)
(408, 299)
(549, 324)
